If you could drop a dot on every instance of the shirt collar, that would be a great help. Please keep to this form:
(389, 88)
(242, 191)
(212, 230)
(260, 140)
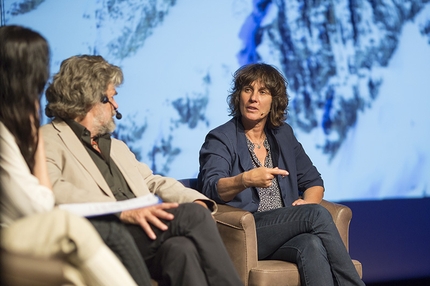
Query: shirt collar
(80, 131)
(103, 141)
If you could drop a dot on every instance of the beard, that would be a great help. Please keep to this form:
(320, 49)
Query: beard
(103, 122)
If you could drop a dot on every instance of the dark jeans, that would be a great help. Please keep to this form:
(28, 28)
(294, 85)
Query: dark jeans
(306, 235)
(116, 237)
(190, 252)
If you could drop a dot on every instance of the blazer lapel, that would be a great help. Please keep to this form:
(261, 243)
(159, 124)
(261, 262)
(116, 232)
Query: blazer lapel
(243, 153)
(81, 154)
(131, 176)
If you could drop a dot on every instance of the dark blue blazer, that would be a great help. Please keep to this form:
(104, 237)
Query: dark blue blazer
(225, 154)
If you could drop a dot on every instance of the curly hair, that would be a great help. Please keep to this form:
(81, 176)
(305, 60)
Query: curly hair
(79, 85)
(272, 79)
(24, 71)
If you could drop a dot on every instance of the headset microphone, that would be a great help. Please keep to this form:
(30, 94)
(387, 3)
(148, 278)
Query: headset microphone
(105, 100)
(118, 115)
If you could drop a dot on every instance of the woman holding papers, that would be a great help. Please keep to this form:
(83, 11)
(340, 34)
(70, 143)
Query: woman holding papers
(30, 225)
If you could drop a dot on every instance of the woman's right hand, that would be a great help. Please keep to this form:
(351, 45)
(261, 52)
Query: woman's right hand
(40, 170)
(261, 177)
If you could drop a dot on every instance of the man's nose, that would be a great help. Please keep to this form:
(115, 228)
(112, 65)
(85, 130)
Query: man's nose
(114, 103)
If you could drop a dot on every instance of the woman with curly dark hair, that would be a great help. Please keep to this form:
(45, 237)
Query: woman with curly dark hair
(254, 162)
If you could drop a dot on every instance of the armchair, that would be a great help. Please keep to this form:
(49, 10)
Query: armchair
(237, 229)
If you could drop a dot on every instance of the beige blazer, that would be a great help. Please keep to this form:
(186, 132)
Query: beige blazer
(75, 177)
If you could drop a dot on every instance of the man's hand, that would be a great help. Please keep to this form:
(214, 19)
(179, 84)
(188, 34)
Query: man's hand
(149, 215)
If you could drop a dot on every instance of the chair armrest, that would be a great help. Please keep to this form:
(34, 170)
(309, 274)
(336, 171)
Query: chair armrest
(238, 232)
(342, 216)
(21, 269)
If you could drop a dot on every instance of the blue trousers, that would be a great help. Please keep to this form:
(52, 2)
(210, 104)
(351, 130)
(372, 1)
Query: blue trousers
(306, 235)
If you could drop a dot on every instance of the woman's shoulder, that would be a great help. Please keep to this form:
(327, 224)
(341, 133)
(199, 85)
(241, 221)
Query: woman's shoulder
(6, 137)
(226, 127)
(4, 132)
(284, 129)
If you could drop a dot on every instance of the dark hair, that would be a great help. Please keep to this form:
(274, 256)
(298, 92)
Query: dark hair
(272, 79)
(24, 70)
(79, 85)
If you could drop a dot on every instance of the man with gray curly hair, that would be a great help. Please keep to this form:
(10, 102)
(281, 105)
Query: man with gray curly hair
(178, 238)
(72, 95)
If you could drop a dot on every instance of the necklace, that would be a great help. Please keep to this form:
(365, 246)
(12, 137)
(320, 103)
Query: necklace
(256, 144)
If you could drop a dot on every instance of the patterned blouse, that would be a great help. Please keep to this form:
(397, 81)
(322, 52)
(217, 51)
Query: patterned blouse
(270, 198)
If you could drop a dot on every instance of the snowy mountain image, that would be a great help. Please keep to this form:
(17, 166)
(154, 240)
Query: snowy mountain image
(358, 74)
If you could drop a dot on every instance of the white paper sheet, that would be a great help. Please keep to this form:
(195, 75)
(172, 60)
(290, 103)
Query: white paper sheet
(104, 208)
